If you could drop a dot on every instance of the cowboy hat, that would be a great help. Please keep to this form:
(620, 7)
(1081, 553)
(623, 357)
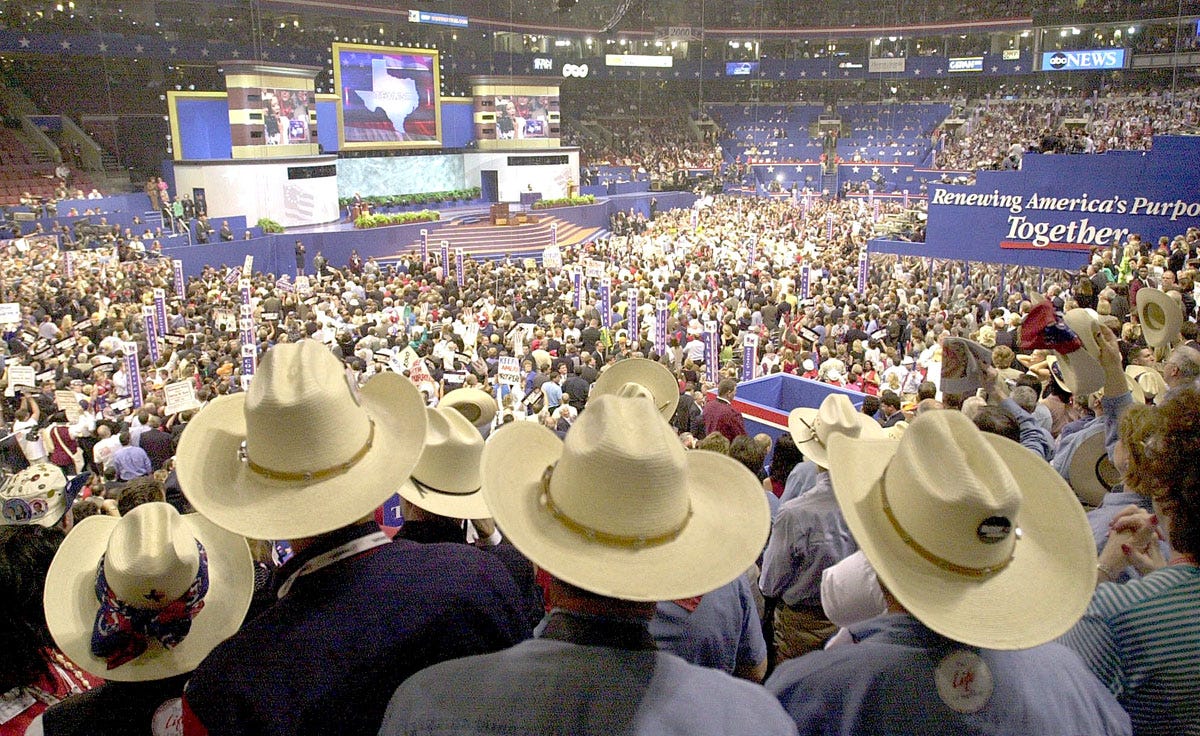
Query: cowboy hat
(640, 376)
(896, 431)
(1079, 371)
(300, 454)
(1091, 473)
(477, 406)
(1150, 380)
(1159, 315)
(154, 559)
(446, 479)
(812, 428)
(620, 508)
(962, 365)
(976, 537)
(35, 495)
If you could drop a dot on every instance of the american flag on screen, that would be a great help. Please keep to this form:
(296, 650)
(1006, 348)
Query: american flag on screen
(298, 204)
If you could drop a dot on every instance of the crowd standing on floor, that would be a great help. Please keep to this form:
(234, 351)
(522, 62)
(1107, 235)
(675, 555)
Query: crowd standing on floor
(591, 542)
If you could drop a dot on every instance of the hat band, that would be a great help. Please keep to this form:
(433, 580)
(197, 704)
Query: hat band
(312, 475)
(943, 563)
(423, 488)
(617, 540)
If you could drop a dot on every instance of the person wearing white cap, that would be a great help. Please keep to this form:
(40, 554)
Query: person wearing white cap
(809, 533)
(301, 456)
(984, 556)
(443, 495)
(620, 516)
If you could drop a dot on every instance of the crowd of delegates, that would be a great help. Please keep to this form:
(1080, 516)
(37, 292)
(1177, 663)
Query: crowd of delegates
(313, 628)
(1000, 131)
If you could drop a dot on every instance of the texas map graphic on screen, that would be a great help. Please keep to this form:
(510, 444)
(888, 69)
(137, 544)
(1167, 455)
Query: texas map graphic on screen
(388, 96)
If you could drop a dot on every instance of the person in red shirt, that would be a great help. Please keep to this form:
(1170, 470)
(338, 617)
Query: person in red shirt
(720, 416)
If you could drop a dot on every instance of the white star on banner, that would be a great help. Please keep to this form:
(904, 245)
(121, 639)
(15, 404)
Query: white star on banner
(65, 44)
(874, 169)
(235, 54)
(1017, 68)
(103, 47)
(204, 52)
(139, 48)
(172, 50)
(917, 72)
(854, 169)
(824, 74)
(895, 169)
(770, 169)
(24, 42)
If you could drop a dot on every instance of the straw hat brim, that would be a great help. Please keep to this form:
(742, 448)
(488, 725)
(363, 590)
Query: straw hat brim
(223, 488)
(479, 407)
(1091, 473)
(654, 377)
(1082, 373)
(1038, 597)
(71, 605)
(726, 532)
(453, 505)
(805, 439)
(1167, 320)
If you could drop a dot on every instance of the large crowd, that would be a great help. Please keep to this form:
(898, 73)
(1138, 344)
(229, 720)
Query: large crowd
(657, 524)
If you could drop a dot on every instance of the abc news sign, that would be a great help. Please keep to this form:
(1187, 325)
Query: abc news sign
(1060, 61)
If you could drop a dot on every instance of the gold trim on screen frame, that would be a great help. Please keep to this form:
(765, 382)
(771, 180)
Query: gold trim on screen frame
(173, 96)
(343, 145)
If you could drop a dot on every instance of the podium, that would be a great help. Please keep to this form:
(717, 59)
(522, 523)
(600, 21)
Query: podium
(500, 214)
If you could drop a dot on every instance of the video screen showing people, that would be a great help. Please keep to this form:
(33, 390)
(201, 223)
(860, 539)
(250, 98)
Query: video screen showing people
(285, 116)
(389, 96)
(519, 117)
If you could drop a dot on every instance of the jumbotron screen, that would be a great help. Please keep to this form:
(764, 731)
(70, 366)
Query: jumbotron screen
(389, 96)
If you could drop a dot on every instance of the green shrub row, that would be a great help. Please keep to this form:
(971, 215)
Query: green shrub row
(403, 200)
(545, 204)
(400, 218)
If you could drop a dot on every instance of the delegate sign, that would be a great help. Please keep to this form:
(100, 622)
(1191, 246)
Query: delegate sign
(1057, 208)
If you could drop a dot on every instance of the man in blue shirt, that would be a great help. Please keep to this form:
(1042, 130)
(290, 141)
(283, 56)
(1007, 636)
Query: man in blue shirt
(130, 461)
(972, 600)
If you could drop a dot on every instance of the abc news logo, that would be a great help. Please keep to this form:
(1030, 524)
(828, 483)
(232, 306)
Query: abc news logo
(571, 70)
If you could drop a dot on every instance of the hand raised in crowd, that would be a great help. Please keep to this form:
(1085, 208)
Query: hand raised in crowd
(1133, 540)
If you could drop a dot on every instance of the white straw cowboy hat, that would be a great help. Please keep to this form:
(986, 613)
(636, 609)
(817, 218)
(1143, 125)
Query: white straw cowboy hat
(640, 377)
(1160, 316)
(1149, 379)
(620, 508)
(1091, 473)
(300, 454)
(476, 405)
(974, 535)
(154, 568)
(1080, 372)
(446, 479)
(812, 428)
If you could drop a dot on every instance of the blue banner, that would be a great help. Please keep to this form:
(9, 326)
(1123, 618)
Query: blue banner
(445, 259)
(864, 266)
(180, 286)
(460, 273)
(631, 316)
(606, 302)
(660, 327)
(424, 246)
(134, 370)
(69, 265)
(160, 312)
(1057, 208)
(749, 356)
(577, 288)
(148, 325)
(804, 282)
(712, 352)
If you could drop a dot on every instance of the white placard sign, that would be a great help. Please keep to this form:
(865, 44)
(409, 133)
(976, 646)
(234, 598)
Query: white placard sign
(21, 375)
(509, 371)
(180, 396)
(10, 313)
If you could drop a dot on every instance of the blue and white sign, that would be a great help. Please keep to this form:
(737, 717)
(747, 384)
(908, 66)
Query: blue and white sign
(424, 246)
(1058, 208)
(437, 19)
(160, 312)
(631, 316)
(577, 287)
(177, 269)
(460, 271)
(712, 352)
(749, 355)
(1086, 60)
(148, 326)
(660, 327)
(133, 370)
(804, 282)
(965, 64)
(606, 303)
